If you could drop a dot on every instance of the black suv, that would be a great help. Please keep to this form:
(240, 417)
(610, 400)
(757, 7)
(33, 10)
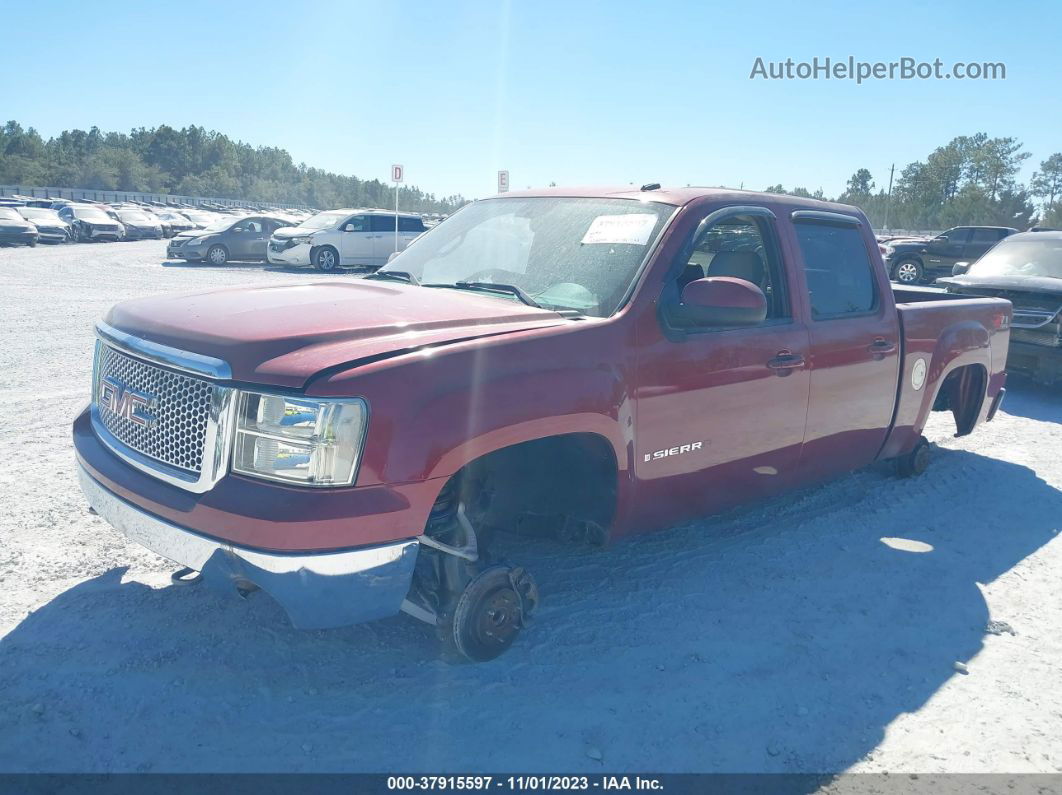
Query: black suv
(914, 261)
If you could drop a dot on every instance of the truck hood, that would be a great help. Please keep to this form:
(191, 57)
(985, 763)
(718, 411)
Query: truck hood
(285, 232)
(284, 335)
(1045, 285)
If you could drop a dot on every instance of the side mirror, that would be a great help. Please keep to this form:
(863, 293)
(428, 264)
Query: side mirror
(720, 301)
(959, 268)
(349, 228)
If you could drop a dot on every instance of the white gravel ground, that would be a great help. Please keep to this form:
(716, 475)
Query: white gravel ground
(785, 637)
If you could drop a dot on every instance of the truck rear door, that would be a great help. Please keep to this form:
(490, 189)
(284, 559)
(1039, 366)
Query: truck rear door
(855, 343)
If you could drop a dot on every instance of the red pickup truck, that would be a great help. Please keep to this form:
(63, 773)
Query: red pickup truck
(574, 364)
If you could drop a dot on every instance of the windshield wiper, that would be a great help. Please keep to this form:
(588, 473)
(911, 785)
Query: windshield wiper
(397, 276)
(495, 287)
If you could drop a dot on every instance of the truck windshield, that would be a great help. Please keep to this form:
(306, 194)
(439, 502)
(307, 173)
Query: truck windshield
(565, 253)
(1022, 258)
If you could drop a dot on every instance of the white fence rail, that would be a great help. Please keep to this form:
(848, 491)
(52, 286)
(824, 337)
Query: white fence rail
(88, 194)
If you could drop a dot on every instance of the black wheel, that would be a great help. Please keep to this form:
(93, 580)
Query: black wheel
(915, 462)
(217, 255)
(326, 259)
(908, 271)
(489, 613)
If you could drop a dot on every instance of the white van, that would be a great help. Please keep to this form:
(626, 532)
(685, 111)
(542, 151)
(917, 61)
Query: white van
(333, 238)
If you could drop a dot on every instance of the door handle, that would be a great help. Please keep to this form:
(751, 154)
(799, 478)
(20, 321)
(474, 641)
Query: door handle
(881, 346)
(785, 362)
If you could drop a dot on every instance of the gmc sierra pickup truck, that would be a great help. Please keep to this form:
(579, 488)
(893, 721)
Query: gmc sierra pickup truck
(579, 365)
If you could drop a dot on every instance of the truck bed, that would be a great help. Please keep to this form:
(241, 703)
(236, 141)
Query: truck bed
(954, 336)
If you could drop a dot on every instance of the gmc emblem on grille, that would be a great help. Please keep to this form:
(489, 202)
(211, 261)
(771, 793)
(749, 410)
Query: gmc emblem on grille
(129, 404)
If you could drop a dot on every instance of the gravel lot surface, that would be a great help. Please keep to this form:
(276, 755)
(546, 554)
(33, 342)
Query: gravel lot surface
(785, 637)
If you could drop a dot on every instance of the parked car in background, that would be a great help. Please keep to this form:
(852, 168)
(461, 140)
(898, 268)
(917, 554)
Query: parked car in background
(1026, 269)
(176, 222)
(201, 219)
(334, 238)
(227, 239)
(90, 223)
(138, 226)
(50, 227)
(167, 229)
(914, 261)
(16, 230)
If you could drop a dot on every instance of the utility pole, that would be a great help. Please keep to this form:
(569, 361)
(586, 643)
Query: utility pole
(888, 198)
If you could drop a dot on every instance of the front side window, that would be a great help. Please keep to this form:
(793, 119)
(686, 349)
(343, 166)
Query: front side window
(743, 247)
(837, 267)
(360, 223)
(959, 234)
(581, 254)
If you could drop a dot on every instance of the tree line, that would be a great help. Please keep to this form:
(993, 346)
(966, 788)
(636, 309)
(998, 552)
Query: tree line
(971, 180)
(191, 162)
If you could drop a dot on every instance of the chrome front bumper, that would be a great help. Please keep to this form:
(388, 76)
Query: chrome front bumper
(318, 590)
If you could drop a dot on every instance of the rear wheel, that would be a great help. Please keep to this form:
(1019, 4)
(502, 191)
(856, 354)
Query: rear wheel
(217, 255)
(915, 462)
(908, 271)
(326, 259)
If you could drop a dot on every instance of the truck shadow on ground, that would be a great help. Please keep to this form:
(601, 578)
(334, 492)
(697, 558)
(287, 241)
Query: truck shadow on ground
(784, 637)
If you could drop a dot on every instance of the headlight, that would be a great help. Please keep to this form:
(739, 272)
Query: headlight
(298, 440)
(305, 240)
(197, 241)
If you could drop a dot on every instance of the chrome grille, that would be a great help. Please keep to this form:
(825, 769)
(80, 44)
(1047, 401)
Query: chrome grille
(180, 406)
(1048, 336)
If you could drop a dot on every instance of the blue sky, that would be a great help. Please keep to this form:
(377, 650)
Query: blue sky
(571, 92)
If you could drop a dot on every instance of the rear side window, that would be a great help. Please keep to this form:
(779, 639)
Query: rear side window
(383, 223)
(986, 235)
(837, 267)
(407, 224)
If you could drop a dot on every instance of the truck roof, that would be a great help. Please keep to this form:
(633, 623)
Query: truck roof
(680, 196)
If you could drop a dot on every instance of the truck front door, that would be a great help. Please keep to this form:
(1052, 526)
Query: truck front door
(855, 340)
(944, 251)
(981, 240)
(721, 411)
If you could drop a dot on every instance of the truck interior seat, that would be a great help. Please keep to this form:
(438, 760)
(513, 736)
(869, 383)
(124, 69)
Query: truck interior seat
(747, 265)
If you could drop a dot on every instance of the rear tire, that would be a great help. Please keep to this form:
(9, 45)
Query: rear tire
(915, 462)
(217, 255)
(326, 259)
(908, 271)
